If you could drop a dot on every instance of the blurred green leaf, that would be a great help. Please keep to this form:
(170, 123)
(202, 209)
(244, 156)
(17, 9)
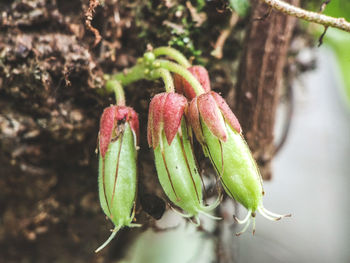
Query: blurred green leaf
(339, 41)
(338, 8)
(240, 6)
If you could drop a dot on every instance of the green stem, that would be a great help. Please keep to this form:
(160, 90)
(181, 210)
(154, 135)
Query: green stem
(166, 76)
(176, 68)
(131, 75)
(173, 54)
(114, 86)
(142, 71)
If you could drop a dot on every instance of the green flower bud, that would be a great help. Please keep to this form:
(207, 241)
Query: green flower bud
(117, 178)
(178, 175)
(219, 132)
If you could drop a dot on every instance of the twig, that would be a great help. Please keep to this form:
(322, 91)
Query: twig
(220, 42)
(320, 40)
(88, 18)
(322, 8)
(323, 5)
(327, 21)
(198, 17)
(263, 17)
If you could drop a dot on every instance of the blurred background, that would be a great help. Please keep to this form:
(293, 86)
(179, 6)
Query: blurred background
(311, 176)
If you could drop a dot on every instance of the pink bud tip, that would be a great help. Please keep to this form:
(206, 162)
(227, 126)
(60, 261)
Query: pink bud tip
(165, 113)
(109, 122)
(214, 111)
(194, 119)
(183, 87)
(230, 118)
(211, 115)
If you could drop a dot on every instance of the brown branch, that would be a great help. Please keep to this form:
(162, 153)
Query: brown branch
(220, 42)
(318, 18)
(88, 18)
(320, 40)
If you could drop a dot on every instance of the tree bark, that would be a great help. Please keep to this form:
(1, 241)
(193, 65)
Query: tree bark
(260, 79)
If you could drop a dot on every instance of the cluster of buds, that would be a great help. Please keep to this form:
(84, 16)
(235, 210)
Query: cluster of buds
(171, 119)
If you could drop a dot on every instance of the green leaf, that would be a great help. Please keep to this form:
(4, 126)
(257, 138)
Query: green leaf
(240, 6)
(338, 8)
(339, 41)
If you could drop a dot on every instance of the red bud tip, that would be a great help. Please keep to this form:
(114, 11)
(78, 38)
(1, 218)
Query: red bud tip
(214, 111)
(194, 119)
(211, 115)
(109, 121)
(201, 74)
(174, 108)
(227, 112)
(155, 118)
(183, 87)
(129, 115)
(106, 129)
(165, 112)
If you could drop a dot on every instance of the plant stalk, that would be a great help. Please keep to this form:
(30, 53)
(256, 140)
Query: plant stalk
(114, 86)
(183, 72)
(173, 54)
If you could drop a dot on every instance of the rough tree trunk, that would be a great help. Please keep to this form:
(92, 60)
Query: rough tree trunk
(260, 79)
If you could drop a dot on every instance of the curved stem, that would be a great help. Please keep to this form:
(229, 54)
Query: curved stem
(166, 76)
(176, 68)
(114, 86)
(131, 75)
(289, 9)
(173, 54)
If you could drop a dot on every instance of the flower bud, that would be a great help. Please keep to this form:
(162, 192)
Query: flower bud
(219, 132)
(183, 87)
(214, 111)
(119, 128)
(169, 136)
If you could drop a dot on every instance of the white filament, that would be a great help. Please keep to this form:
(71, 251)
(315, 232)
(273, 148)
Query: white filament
(264, 214)
(197, 222)
(253, 225)
(273, 214)
(245, 227)
(181, 214)
(251, 218)
(209, 215)
(114, 232)
(245, 219)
